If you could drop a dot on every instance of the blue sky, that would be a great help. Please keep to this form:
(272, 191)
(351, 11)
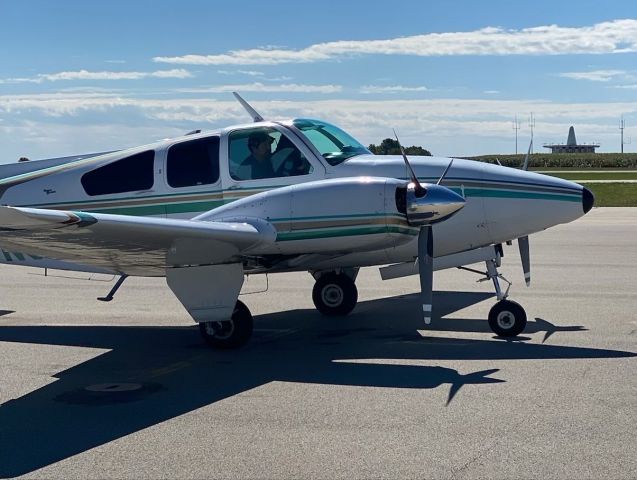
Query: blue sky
(451, 76)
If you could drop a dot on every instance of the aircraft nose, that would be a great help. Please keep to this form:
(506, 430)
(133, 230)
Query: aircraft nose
(588, 199)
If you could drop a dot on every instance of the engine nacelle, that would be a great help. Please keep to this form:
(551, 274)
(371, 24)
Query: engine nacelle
(342, 215)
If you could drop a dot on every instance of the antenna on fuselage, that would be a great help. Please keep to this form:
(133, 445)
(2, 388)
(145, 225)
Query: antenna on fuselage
(525, 165)
(251, 111)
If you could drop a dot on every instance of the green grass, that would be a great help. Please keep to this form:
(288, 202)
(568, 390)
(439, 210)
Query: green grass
(613, 194)
(606, 194)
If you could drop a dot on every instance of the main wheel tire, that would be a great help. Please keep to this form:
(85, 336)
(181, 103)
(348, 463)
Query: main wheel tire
(507, 318)
(334, 294)
(232, 333)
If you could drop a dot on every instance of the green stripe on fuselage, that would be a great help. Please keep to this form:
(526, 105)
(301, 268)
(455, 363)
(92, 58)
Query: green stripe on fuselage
(339, 232)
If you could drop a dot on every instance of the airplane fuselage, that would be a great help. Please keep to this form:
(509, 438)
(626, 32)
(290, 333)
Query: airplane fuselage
(320, 214)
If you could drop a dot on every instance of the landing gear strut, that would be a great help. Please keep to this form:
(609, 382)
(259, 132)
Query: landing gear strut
(506, 318)
(335, 294)
(228, 334)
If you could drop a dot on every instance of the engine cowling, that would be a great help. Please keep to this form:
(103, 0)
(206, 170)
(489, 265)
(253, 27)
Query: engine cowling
(427, 203)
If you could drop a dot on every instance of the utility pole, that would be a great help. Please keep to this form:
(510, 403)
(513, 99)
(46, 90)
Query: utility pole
(516, 127)
(532, 126)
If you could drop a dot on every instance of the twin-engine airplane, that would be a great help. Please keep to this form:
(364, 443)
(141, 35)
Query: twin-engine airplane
(205, 209)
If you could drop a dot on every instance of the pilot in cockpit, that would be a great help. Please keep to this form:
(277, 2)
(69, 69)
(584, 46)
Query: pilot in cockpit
(259, 161)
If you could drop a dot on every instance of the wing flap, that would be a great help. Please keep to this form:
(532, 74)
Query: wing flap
(126, 244)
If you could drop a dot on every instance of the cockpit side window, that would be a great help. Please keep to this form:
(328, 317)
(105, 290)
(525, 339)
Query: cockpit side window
(130, 174)
(264, 152)
(194, 162)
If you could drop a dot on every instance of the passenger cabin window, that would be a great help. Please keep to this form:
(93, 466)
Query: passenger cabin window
(264, 152)
(130, 174)
(194, 162)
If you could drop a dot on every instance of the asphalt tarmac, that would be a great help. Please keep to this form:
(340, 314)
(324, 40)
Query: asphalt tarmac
(127, 389)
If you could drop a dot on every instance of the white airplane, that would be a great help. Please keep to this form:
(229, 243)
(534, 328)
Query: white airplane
(206, 209)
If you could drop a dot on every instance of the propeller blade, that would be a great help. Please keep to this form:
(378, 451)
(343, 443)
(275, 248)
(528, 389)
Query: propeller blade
(523, 244)
(419, 188)
(426, 270)
(445, 172)
(525, 166)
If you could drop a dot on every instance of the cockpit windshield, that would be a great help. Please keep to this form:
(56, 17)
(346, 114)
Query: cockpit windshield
(334, 144)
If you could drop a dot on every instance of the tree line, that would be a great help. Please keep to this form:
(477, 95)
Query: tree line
(391, 147)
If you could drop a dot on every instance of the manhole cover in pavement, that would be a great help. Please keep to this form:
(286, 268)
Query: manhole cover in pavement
(109, 393)
(114, 387)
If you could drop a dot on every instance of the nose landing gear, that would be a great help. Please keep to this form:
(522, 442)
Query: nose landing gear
(506, 318)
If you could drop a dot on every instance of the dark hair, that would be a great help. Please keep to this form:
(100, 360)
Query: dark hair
(256, 138)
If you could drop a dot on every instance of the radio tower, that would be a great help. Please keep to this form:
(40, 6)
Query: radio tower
(516, 127)
(532, 126)
(622, 126)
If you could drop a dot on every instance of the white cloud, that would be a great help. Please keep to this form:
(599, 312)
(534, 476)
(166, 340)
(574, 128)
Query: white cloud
(359, 111)
(370, 89)
(594, 75)
(260, 87)
(174, 73)
(104, 75)
(251, 73)
(446, 126)
(37, 140)
(618, 36)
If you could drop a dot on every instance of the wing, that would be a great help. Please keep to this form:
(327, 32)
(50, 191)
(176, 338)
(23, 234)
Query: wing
(127, 244)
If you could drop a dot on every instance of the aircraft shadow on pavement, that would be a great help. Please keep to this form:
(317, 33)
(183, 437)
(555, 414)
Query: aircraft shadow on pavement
(401, 309)
(154, 374)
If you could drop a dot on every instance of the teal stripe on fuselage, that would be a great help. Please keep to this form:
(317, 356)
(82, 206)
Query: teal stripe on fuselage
(173, 206)
(498, 193)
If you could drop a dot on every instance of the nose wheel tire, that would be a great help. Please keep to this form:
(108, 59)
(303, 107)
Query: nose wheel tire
(232, 333)
(334, 294)
(507, 318)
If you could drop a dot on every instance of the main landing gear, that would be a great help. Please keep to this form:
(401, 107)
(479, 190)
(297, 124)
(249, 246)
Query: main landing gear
(335, 293)
(506, 318)
(232, 333)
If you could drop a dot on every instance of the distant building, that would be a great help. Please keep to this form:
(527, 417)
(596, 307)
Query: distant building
(571, 145)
